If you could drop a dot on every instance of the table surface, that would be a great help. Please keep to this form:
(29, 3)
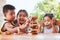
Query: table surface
(52, 36)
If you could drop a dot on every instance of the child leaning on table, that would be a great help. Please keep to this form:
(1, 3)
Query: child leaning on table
(48, 26)
(7, 26)
(22, 21)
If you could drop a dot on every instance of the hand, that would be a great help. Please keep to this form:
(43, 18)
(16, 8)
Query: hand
(27, 20)
(33, 18)
(38, 25)
(55, 29)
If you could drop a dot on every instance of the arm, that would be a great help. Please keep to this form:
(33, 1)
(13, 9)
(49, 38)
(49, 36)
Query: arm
(42, 26)
(54, 29)
(25, 25)
(10, 28)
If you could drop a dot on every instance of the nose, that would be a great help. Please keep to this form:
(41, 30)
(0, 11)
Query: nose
(46, 23)
(21, 17)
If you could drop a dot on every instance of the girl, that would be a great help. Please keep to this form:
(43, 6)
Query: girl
(22, 21)
(48, 26)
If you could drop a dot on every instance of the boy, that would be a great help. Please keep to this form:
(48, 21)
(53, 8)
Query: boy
(9, 14)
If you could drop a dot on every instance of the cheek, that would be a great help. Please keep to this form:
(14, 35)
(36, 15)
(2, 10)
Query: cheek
(8, 16)
(18, 18)
(11, 18)
(47, 23)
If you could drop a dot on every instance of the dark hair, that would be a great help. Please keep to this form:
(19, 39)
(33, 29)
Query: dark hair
(49, 15)
(8, 7)
(22, 11)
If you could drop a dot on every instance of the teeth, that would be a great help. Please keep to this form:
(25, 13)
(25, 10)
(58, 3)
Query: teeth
(21, 19)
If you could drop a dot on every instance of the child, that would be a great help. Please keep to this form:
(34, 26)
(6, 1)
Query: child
(22, 21)
(9, 14)
(48, 24)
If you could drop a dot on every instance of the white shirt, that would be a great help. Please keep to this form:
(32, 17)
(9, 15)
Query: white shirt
(46, 30)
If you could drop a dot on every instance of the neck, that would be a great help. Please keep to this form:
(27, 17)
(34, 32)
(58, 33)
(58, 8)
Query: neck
(48, 27)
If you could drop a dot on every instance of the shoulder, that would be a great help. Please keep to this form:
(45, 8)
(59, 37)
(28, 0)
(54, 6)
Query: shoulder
(6, 24)
(2, 24)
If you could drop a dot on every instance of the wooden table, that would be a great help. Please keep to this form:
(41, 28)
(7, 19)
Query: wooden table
(55, 36)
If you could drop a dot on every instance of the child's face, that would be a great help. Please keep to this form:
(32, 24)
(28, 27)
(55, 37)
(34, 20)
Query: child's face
(10, 15)
(21, 17)
(47, 21)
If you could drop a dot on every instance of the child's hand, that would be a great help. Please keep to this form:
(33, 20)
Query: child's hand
(27, 20)
(53, 21)
(24, 26)
(38, 24)
(32, 18)
(55, 29)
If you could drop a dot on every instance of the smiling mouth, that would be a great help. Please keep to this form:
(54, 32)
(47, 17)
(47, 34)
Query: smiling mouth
(21, 19)
(46, 25)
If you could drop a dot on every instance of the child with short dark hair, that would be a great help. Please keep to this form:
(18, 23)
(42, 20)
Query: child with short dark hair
(9, 14)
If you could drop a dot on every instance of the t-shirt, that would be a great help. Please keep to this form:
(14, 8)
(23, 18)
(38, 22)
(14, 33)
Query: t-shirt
(46, 30)
(3, 23)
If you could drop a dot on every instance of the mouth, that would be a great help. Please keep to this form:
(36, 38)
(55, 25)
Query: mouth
(21, 19)
(46, 25)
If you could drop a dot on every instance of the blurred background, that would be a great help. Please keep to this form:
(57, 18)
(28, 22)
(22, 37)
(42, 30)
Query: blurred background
(33, 7)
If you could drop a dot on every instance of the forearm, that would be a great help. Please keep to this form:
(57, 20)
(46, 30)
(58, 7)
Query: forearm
(12, 30)
(24, 26)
